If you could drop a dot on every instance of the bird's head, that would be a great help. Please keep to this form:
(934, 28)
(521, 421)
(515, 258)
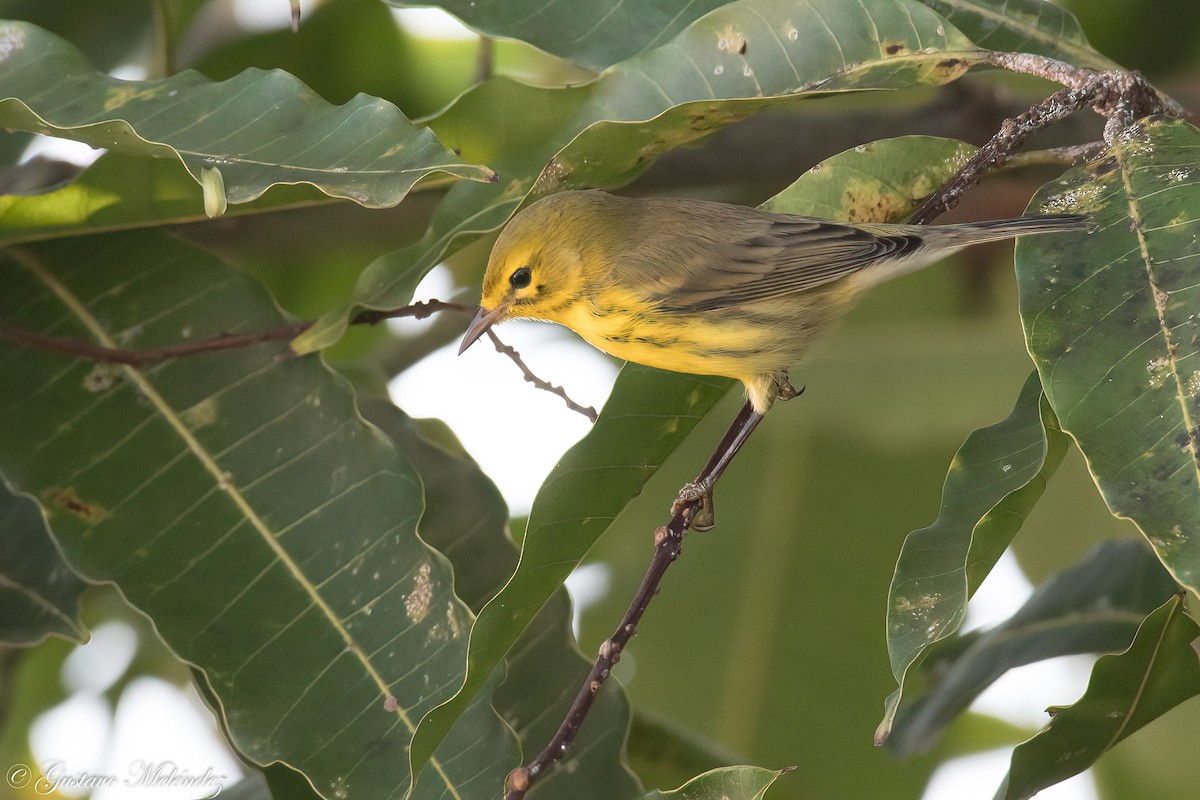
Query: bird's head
(536, 269)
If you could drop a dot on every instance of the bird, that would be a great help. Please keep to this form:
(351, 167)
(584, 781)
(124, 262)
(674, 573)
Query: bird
(704, 287)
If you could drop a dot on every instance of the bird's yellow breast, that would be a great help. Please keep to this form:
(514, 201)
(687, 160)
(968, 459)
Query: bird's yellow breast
(739, 344)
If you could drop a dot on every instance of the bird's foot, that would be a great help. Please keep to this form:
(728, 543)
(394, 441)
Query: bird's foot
(784, 389)
(692, 492)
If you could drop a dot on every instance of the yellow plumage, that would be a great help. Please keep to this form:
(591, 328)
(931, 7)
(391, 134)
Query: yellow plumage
(705, 288)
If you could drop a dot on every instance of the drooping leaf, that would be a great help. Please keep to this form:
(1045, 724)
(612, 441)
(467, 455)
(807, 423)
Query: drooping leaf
(242, 504)
(743, 58)
(39, 593)
(650, 412)
(1094, 606)
(1160, 670)
(1023, 26)
(1113, 323)
(994, 480)
(253, 131)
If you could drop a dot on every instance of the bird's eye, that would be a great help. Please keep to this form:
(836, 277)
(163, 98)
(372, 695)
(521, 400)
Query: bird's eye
(521, 278)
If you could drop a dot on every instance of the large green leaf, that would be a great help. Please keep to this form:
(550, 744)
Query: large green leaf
(594, 33)
(1113, 323)
(1023, 26)
(1094, 606)
(650, 412)
(39, 593)
(1160, 670)
(994, 480)
(734, 62)
(239, 136)
(242, 503)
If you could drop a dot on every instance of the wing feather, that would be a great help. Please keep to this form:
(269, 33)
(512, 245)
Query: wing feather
(786, 256)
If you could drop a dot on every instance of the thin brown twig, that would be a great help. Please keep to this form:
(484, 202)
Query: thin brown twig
(99, 353)
(1122, 97)
(668, 543)
(507, 350)
(91, 351)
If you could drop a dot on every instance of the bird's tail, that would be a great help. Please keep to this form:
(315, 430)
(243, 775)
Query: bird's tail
(999, 229)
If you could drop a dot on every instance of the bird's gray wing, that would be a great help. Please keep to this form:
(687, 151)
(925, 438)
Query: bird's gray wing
(782, 257)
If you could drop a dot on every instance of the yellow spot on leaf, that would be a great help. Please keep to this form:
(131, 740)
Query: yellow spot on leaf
(200, 415)
(59, 498)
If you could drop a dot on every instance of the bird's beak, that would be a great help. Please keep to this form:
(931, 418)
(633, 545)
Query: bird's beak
(484, 319)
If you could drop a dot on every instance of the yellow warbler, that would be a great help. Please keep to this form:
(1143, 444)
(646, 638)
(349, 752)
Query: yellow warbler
(706, 288)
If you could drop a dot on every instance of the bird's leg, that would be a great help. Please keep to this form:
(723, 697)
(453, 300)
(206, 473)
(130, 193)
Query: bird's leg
(701, 488)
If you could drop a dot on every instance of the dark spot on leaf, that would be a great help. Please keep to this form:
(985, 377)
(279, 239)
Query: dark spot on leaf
(892, 49)
(1189, 440)
(1106, 166)
(742, 49)
(949, 63)
(67, 499)
(1163, 472)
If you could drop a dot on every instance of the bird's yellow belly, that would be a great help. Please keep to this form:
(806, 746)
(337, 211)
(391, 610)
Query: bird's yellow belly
(684, 343)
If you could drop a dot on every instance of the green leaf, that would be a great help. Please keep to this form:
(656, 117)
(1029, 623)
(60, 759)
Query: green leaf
(256, 130)
(39, 593)
(996, 477)
(726, 783)
(1092, 607)
(1023, 26)
(1111, 320)
(593, 34)
(1160, 670)
(880, 181)
(121, 192)
(465, 518)
(605, 133)
(650, 412)
(241, 503)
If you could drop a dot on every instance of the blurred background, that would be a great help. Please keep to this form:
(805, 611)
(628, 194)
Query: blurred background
(763, 608)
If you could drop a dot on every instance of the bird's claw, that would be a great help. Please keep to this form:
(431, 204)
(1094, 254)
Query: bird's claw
(705, 516)
(784, 389)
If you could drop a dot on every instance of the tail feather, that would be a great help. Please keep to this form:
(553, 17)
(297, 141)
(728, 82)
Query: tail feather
(998, 229)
